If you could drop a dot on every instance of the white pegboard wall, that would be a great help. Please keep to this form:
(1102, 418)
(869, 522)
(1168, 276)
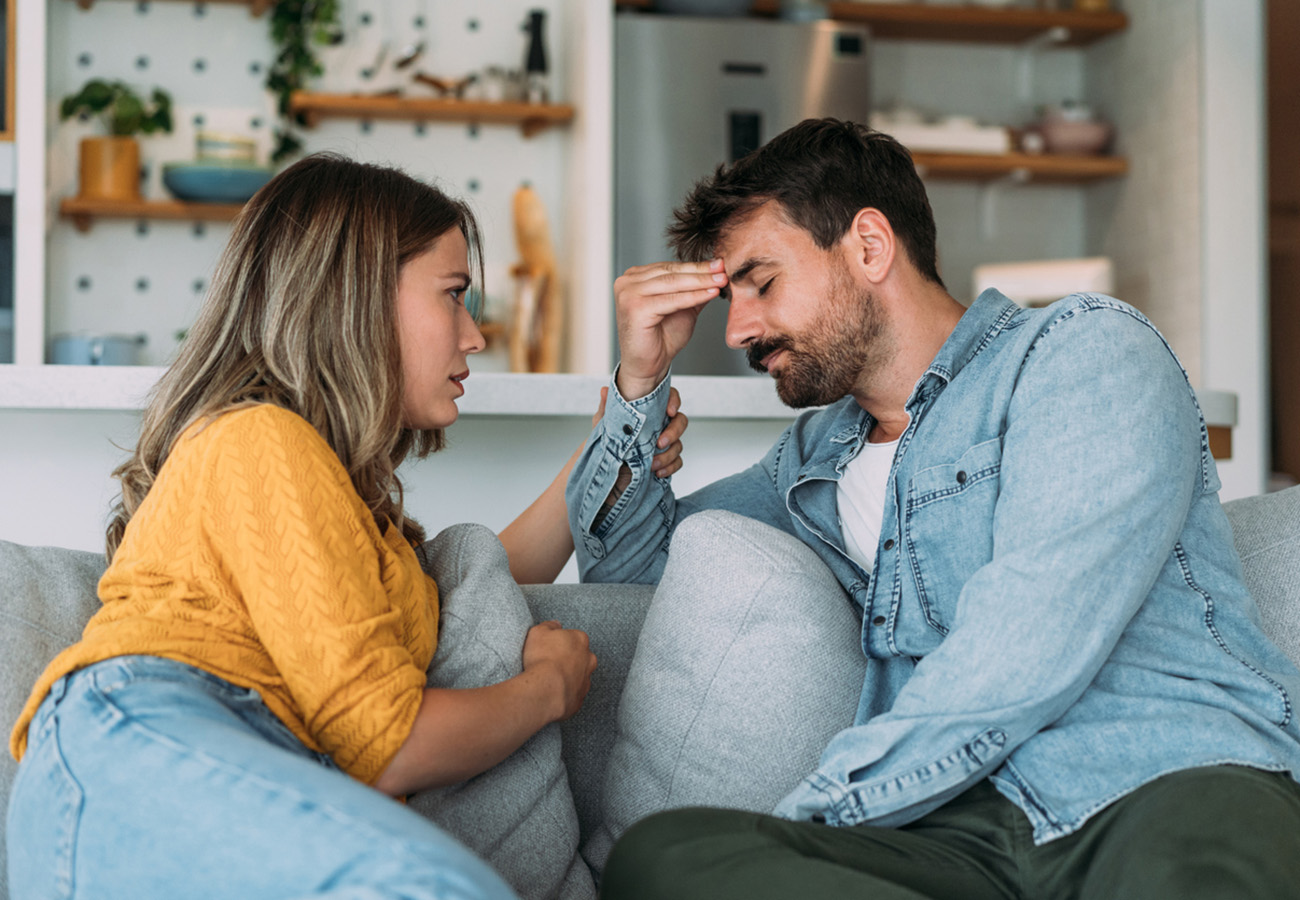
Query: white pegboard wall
(128, 277)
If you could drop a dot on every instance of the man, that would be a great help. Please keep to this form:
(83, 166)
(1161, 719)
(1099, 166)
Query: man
(1068, 694)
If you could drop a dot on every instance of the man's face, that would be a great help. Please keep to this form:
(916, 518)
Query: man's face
(796, 310)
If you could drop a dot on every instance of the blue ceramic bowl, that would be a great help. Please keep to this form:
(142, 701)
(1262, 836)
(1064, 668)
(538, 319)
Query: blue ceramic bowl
(225, 181)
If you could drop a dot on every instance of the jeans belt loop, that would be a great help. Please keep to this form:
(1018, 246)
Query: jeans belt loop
(59, 688)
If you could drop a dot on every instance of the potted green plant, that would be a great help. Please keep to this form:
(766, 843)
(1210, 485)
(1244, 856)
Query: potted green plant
(297, 27)
(109, 165)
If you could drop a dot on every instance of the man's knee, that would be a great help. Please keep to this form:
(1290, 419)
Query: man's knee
(659, 855)
(1226, 831)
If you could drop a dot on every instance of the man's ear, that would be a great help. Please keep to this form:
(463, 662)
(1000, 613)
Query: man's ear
(872, 244)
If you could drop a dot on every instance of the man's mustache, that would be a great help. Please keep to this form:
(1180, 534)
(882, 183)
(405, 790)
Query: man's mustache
(761, 350)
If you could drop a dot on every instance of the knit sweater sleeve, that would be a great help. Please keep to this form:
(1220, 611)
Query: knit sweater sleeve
(303, 552)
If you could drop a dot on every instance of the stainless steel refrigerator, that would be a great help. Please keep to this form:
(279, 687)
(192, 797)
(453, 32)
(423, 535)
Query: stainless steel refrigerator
(691, 93)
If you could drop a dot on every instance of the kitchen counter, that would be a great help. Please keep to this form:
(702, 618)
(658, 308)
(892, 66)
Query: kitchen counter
(488, 394)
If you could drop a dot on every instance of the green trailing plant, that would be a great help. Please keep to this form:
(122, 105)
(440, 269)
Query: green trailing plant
(120, 108)
(297, 27)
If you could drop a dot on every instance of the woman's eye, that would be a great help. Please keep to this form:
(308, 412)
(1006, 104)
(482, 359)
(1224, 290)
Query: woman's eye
(457, 294)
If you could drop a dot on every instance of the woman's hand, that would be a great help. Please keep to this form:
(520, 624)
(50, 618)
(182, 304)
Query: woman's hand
(566, 653)
(460, 732)
(668, 458)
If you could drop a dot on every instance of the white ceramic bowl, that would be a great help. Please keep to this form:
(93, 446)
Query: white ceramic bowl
(1086, 138)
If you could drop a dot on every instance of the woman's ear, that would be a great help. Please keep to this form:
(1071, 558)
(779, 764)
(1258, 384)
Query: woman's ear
(872, 244)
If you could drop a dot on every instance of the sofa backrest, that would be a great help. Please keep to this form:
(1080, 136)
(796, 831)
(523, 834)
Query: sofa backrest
(47, 594)
(1266, 528)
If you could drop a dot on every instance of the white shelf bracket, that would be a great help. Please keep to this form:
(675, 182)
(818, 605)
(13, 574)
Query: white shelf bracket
(1029, 51)
(989, 192)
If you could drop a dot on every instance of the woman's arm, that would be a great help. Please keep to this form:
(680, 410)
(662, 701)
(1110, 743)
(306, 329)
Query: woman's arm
(460, 733)
(538, 542)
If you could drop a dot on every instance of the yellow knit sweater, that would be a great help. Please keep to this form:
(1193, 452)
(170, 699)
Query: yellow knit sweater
(253, 557)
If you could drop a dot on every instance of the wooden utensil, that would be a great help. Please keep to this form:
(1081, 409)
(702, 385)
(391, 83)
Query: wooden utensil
(537, 322)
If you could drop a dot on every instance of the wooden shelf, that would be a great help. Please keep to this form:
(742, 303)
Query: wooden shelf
(83, 211)
(1053, 167)
(530, 117)
(979, 24)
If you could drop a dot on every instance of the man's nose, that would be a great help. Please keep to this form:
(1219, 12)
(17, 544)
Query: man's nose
(742, 323)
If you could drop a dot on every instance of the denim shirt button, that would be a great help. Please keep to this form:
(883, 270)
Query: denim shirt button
(628, 429)
(819, 818)
(878, 620)
(889, 544)
(961, 477)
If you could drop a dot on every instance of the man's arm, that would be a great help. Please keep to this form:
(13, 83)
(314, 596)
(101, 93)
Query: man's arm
(538, 543)
(656, 307)
(1101, 461)
(622, 519)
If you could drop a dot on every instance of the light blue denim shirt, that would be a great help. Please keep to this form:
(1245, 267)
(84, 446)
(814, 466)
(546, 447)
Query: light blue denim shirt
(1056, 602)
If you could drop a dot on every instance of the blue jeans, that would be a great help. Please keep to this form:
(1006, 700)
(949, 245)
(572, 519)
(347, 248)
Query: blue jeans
(149, 778)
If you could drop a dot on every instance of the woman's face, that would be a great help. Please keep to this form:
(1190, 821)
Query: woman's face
(437, 332)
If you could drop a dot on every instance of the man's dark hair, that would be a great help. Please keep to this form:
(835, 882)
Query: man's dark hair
(821, 172)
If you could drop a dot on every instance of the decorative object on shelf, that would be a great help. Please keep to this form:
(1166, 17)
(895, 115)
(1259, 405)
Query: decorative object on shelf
(1070, 128)
(537, 321)
(109, 166)
(216, 180)
(946, 134)
(704, 7)
(6, 335)
(296, 27)
(1043, 281)
(536, 82)
(84, 349)
(445, 86)
(213, 145)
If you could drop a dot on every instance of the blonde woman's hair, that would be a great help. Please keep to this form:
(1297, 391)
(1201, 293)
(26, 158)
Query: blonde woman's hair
(301, 314)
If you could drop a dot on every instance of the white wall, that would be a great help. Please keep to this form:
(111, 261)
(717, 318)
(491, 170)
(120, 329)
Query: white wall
(1233, 244)
(55, 484)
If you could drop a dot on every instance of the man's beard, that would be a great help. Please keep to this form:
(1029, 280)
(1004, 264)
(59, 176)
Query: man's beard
(824, 364)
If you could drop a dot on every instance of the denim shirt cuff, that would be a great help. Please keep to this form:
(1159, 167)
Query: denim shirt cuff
(631, 427)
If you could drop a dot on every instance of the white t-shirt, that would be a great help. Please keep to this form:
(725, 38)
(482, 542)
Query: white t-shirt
(861, 497)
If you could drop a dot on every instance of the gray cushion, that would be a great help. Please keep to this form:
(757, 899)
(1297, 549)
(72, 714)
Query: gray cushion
(611, 614)
(518, 815)
(738, 683)
(1266, 528)
(46, 596)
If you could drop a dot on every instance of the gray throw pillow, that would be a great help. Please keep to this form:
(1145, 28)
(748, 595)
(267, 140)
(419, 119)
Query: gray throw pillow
(46, 597)
(519, 815)
(749, 662)
(1266, 528)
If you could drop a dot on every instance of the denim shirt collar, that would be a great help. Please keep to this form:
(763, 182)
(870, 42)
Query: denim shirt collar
(983, 321)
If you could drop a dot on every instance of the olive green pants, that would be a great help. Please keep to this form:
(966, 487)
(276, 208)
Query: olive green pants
(1228, 833)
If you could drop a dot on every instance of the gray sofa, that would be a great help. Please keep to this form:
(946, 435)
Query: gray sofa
(653, 755)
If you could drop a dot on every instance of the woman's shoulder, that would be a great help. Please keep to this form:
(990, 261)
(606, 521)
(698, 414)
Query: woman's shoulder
(254, 430)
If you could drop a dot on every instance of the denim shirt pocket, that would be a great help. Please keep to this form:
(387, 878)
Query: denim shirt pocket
(948, 533)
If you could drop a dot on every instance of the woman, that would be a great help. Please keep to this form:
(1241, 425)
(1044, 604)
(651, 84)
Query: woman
(257, 669)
